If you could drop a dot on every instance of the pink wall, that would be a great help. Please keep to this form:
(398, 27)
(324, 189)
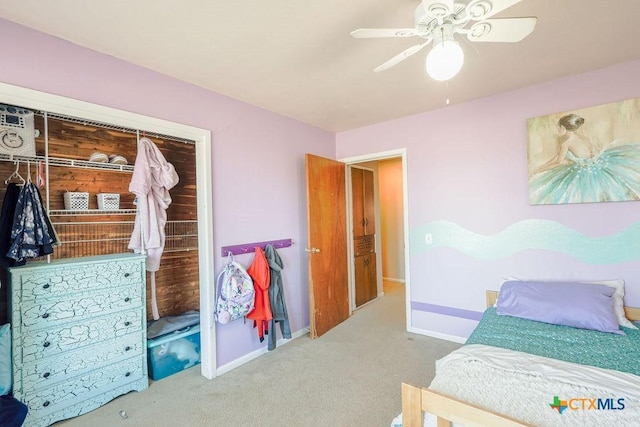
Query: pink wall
(467, 164)
(257, 156)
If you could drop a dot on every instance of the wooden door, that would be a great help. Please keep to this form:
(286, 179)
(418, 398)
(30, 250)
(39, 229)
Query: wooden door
(369, 210)
(364, 263)
(357, 202)
(362, 202)
(326, 244)
(365, 277)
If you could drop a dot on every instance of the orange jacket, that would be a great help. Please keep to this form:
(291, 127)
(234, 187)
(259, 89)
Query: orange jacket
(259, 272)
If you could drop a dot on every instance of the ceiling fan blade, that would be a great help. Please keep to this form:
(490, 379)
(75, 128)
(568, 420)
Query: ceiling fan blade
(438, 8)
(502, 30)
(401, 56)
(478, 10)
(366, 33)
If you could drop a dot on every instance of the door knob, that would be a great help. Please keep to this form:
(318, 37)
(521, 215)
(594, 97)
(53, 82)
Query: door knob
(312, 250)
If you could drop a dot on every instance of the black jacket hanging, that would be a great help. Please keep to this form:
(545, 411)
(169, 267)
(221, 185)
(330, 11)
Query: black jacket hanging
(6, 222)
(32, 234)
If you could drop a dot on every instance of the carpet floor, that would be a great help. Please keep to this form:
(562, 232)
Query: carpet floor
(350, 376)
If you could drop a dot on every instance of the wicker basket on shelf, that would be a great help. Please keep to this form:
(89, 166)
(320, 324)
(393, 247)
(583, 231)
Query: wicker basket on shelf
(75, 200)
(108, 201)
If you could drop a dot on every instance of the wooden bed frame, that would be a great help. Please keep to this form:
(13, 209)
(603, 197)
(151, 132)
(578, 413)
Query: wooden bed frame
(417, 400)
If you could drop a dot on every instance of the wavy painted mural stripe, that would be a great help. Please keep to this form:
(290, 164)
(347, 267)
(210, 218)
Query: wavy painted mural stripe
(530, 234)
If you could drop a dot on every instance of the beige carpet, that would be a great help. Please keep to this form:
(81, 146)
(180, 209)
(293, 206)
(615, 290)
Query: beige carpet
(351, 376)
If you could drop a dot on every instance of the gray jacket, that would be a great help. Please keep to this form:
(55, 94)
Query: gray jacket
(276, 297)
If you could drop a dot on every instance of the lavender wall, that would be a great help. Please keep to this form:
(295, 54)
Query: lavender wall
(467, 177)
(257, 156)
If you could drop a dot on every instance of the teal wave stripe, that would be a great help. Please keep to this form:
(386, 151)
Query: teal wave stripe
(530, 234)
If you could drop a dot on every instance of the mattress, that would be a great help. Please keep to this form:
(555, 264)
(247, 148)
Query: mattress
(543, 374)
(527, 387)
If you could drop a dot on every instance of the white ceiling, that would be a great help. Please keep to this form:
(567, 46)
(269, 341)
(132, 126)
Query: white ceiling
(297, 58)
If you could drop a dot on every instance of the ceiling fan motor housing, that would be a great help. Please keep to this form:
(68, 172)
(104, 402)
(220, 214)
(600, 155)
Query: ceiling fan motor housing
(425, 20)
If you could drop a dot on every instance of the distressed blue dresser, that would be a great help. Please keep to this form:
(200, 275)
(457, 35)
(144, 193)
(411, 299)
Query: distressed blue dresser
(79, 333)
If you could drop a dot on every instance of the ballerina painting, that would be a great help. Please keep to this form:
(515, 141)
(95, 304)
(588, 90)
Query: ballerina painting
(587, 155)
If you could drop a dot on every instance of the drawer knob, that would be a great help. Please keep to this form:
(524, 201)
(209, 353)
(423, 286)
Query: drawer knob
(46, 374)
(127, 299)
(127, 348)
(44, 316)
(46, 344)
(47, 286)
(47, 403)
(127, 274)
(128, 374)
(127, 323)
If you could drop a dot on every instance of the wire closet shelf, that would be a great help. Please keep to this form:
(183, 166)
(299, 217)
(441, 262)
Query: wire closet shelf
(80, 238)
(85, 122)
(88, 238)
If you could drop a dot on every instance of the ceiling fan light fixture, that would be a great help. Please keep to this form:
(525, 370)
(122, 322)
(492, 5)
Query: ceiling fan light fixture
(436, 21)
(445, 60)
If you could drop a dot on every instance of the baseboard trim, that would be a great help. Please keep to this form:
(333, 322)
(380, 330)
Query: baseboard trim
(446, 337)
(391, 279)
(257, 353)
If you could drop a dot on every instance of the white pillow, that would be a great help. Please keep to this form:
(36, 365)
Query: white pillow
(618, 300)
(618, 296)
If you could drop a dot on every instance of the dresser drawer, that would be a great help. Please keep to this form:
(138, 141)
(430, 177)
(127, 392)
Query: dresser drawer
(83, 387)
(50, 342)
(46, 372)
(78, 308)
(47, 416)
(58, 281)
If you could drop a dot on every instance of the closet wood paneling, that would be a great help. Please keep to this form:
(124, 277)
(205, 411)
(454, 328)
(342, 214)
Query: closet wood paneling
(177, 281)
(177, 285)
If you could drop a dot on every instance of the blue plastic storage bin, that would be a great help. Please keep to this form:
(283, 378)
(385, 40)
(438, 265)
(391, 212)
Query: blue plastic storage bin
(174, 352)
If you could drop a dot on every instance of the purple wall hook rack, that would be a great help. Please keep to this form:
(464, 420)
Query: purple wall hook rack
(251, 247)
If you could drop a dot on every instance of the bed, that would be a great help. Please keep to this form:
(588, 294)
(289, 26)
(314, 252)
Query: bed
(530, 376)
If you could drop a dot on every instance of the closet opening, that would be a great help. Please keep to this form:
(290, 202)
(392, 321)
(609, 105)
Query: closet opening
(92, 210)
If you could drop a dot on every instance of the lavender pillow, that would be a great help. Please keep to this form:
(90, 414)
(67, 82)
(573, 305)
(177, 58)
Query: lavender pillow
(560, 303)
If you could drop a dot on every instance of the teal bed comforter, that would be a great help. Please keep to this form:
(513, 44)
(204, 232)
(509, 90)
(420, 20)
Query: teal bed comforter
(586, 347)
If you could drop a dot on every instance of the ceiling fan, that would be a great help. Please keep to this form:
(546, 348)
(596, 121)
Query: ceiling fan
(438, 21)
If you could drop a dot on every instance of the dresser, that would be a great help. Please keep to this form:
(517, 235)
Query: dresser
(79, 333)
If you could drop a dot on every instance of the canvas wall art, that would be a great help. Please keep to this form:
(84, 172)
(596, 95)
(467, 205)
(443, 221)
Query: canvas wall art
(586, 155)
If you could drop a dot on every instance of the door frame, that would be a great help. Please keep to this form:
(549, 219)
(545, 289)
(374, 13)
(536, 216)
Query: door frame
(383, 155)
(38, 100)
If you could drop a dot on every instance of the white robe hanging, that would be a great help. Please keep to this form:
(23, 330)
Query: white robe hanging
(152, 179)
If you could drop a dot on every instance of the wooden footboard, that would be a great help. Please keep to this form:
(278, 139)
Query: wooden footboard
(416, 401)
